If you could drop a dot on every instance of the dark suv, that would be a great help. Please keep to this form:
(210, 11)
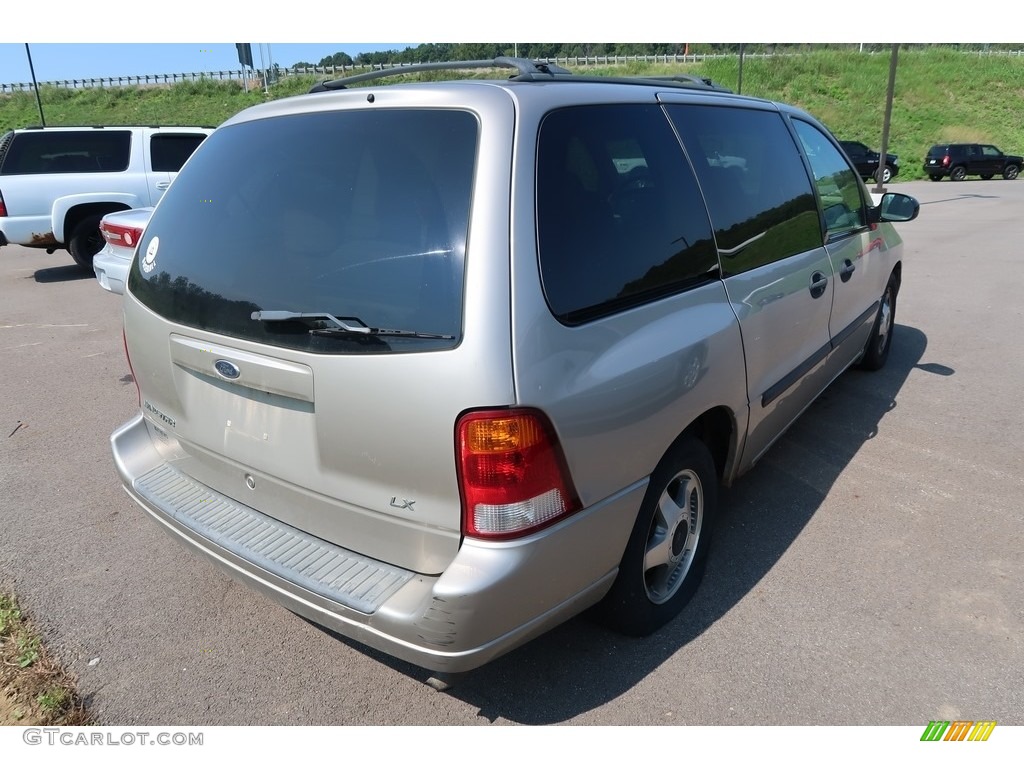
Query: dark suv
(865, 160)
(958, 161)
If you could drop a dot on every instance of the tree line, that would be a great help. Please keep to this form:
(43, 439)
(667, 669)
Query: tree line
(473, 51)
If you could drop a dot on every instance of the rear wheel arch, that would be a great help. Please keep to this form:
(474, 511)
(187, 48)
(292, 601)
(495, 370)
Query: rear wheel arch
(79, 213)
(663, 561)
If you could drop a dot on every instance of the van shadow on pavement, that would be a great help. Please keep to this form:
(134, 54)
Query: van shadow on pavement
(580, 666)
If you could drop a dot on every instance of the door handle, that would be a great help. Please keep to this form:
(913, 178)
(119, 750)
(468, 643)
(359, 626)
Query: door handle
(818, 285)
(163, 184)
(847, 271)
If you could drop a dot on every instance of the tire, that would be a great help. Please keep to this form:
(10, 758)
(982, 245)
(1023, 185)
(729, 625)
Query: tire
(1010, 172)
(885, 173)
(664, 559)
(86, 241)
(934, 177)
(959, 173)
(876, 353)
(986, 176)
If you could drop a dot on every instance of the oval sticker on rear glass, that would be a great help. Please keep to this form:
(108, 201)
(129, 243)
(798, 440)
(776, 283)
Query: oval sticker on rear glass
(149, 260)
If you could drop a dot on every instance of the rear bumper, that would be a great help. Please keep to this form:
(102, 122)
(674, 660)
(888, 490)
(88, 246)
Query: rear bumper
(493, 597)
(111, 271)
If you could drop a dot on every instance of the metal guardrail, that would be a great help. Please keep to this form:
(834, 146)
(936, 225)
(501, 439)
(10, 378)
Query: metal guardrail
(256, 76)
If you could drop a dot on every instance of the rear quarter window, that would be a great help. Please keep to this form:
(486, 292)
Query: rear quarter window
(620, 220)
(359, 214)
(94, 151)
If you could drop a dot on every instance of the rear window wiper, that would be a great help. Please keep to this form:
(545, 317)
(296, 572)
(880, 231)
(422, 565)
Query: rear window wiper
(345, 326)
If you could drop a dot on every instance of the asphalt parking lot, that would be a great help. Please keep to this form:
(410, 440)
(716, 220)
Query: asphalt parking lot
(868, 571)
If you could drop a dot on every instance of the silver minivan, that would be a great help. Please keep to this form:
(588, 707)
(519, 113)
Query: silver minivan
(440, 365)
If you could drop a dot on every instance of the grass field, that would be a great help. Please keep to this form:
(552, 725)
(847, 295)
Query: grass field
(941, 95)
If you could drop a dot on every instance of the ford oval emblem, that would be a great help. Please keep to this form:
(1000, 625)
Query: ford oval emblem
(227, 369)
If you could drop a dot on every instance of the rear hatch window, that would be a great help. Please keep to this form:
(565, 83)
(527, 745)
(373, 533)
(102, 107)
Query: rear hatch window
(361, 215)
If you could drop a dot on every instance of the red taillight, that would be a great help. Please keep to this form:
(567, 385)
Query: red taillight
(3, 206)
(115, 234)
(128, 357)
(945, 160)
(512, 474)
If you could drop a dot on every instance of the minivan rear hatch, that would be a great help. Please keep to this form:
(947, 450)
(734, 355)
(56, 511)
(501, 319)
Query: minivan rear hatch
(296, 297)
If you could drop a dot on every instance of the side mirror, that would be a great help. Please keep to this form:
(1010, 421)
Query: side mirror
(895, 206)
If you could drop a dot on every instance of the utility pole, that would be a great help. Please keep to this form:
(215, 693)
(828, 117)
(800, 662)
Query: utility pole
(890, 90)
(739, 85)
(263, 66)
(35, 85)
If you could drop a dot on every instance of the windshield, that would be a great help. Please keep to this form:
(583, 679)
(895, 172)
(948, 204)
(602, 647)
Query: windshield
(355, 213)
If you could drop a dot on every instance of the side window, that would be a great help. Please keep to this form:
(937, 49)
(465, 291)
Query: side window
(94, 151)
(838, 184)
(620, 219)
(990, 151)
(761, 201)
(170, 151)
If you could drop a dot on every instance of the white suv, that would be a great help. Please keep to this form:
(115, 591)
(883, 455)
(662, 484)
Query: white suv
(440, 365)
(56, 184)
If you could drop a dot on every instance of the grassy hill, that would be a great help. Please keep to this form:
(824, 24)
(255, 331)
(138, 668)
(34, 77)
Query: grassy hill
(941, 95)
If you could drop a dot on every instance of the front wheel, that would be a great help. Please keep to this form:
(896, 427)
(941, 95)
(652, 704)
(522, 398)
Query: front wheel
(664, 560)
(86, 241)
(1010, 172)
(880, 342)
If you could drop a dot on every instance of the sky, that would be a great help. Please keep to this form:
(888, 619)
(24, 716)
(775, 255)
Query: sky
(75, 61)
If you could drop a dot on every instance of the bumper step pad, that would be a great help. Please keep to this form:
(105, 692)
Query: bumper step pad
(325, 569)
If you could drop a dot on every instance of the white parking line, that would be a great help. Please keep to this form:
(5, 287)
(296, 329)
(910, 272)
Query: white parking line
(19, 346)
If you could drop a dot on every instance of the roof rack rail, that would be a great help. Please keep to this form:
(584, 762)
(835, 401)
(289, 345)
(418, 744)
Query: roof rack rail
(526, 69)
(686, 79)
